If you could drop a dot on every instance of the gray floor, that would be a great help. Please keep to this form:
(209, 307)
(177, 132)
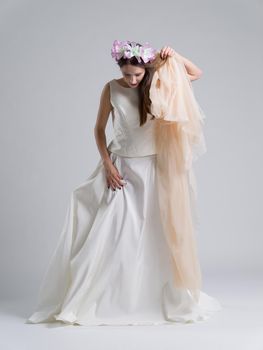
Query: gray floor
(238, 326)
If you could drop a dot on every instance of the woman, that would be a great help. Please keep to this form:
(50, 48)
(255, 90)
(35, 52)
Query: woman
(113, 264)
(133, 75)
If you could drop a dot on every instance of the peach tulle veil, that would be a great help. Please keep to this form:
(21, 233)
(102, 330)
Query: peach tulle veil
(179, 141)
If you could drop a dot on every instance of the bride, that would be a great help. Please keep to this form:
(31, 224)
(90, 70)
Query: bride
(126, 254)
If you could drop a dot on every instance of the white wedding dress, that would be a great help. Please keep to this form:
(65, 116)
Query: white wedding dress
(112, 265)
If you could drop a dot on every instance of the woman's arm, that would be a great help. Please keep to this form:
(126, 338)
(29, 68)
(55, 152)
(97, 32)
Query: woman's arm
(105, 108)
(113, 178)
(193, 71)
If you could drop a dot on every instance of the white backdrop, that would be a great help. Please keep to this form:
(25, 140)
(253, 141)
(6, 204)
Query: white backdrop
(55, 59)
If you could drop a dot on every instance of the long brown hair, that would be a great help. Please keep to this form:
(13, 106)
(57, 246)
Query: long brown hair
(145, 84)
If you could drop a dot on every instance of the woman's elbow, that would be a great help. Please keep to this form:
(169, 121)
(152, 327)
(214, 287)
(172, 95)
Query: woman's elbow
(197, 75)
(200, 72)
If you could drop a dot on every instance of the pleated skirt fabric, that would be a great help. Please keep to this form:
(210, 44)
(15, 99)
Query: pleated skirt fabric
(112, 265)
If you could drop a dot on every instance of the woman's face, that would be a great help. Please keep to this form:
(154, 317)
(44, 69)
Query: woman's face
(132, 75)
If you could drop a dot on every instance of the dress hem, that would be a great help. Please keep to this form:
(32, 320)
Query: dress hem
(71, 319)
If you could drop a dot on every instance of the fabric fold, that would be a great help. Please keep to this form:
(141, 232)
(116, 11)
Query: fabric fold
(179, 141)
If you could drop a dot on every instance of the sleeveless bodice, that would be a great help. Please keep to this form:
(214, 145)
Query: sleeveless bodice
(130, 139)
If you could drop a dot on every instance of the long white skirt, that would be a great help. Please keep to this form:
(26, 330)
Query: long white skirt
(112, 265)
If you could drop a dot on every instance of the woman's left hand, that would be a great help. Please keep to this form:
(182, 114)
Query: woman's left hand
(166, 51)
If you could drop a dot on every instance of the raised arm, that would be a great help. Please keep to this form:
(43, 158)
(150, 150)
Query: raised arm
(193, 71)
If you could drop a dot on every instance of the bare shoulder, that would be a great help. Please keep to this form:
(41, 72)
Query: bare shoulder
(106, 88)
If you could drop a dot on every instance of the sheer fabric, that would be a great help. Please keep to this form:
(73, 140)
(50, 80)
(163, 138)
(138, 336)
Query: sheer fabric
(179, 141)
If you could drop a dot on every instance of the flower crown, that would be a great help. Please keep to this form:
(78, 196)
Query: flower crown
(128, 49)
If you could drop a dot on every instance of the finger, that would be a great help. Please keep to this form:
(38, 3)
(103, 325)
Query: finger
(107, 182)
(121, 180)
(114, 179)
(163, 51)
(166, 51)
(119, 176)
(117, 173)
(113, 188)
(120, 184)
(117, 183)
(171, 52)
(113, 184)
(110, 183)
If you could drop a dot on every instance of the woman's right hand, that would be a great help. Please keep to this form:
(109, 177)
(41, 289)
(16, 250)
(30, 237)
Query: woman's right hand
(113, 178)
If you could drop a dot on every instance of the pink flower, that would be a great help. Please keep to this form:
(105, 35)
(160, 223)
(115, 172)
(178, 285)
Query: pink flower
(128, 49)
